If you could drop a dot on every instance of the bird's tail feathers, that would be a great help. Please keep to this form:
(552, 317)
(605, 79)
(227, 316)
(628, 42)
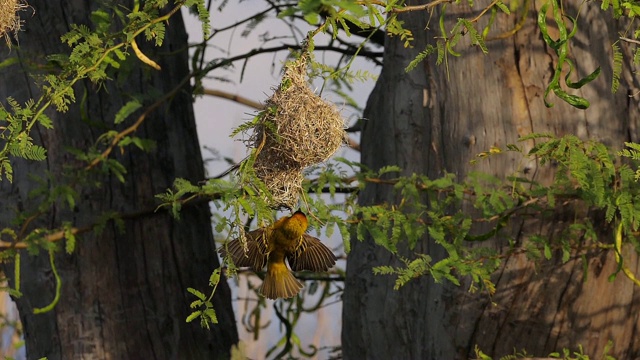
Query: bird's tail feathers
(280, 283)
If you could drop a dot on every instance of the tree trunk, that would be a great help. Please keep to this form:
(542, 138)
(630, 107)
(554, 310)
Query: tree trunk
(429, 122)
(124, 292)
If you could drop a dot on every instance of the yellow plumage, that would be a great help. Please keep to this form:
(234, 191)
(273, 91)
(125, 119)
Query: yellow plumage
(270, 246)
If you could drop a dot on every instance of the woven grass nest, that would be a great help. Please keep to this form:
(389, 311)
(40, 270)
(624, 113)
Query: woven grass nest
(297, 129)
(9, 21)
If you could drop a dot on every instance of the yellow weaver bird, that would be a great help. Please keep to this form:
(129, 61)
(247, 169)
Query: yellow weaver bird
(270, 246)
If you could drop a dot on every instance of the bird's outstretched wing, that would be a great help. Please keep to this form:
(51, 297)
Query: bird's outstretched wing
(256, 255)
(311, 255)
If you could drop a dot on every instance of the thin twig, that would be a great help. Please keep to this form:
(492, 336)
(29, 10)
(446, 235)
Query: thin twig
(53, 237)
(60, 234)
(484, 11)
(233, 97)
(372, 55)
(353, 144)
(136, 125)
(633, 41)
(418, 7)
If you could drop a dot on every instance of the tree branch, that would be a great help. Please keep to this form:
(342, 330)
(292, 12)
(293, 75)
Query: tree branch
(237, 98)
(418, 7)
(372, 55)
(60, 234)
(637, 42)
(134, 127)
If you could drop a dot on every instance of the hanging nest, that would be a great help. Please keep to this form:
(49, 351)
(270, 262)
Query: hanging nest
(285, 186)
(297, 129)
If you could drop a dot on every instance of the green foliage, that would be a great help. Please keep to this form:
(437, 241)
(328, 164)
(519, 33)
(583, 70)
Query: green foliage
(566, 354)
(239, 198)
(434, 209)
(203, 15)
(204, 305)
(126, 110)
(632, 152)
(336, 12)
(93, 52)
(476, 38)
(430, 49)
(56, 298)
(437, 209)
(447, 40)
(342, 77)
(617, 67)
(617, 10)
(561, 48)
(585, 173)
(70, 237)
(395, 28)
(579, 354)
(416, 268)
(516, 355)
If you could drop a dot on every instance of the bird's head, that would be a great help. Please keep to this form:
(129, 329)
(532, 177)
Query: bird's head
(300, 215)
(296, 224)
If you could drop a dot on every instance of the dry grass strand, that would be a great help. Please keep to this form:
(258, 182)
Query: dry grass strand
(285, 186)
(10, 22)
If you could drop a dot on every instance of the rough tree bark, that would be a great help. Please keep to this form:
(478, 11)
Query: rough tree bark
(428, 123)
(123, 293)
